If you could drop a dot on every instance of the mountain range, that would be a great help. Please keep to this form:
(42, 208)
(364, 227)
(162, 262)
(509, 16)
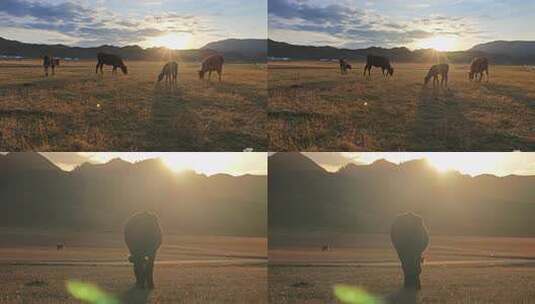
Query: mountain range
(35, 193)
(498, 52)
(232, 49)
(365, 198)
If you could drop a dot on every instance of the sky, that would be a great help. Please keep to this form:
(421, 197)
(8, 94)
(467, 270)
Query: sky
(205, 163)
(177, 24)
(471, 163)
(442, 25)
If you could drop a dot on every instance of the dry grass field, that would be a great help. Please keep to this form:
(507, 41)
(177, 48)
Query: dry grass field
(77, 110)
(314, 108)
(456, 269)
(188, 270)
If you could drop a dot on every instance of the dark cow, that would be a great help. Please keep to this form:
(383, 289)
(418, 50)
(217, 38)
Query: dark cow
(110, 59)
(438, 70)
(48, 62)
(478, 66)
(344, 66)
(410, 239)
(60, 246)
(210, 64)
(143, 236)
(379, 62)
(169, 72)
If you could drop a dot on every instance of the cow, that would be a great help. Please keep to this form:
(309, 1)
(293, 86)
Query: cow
(143, 237)
(210, 64)
(48, 62)
(344, 66)
(169, 72)
(325, 248)
(435, 71)
(110, 59)
(477, 67)
(380, 62)
(410, 239)
(56, 62)
(60, 246)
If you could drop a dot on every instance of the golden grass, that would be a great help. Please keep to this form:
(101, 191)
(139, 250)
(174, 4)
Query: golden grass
(299, 272)
(33, 271)
(314, 108)
(77, 110)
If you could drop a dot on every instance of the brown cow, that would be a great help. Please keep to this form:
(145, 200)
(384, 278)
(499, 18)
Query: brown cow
(170, 72)
(110, 59)
(143, 237)
(210, 64)
(48, 62)
(435, 71)
(344, 66)
(478, 66)
(380, 62)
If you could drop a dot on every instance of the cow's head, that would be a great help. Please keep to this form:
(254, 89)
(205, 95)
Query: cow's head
(124, 69)
(471, 75)
(391, 71)
(201, 74)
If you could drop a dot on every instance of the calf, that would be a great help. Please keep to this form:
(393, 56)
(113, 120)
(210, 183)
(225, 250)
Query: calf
(380, 62)
(170, 72)
(435, 71)
(210, 64)
(48, 62)
(478, 66)
(344, 66)
(110, 59)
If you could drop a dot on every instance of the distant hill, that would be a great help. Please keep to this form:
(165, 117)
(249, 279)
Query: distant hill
(365, 198)
(35, 193)
(250, 48)
(498, 53)
(232, 49)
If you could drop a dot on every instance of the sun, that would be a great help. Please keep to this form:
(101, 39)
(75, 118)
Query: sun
(175, 41)
(467, 163)
(440, 43)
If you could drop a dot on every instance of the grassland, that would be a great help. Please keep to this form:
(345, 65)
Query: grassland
(314, 108)
(456, 269)
(77, 110)
(188, 270)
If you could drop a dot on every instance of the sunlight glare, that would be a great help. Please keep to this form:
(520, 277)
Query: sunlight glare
(175, 41)
(440, 43)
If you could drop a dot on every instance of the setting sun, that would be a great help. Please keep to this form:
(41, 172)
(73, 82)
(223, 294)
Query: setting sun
(439, 43)
(176, 41)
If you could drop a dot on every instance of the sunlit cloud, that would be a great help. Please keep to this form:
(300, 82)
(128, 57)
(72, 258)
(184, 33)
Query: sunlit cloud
(443, 26)
(174, 24)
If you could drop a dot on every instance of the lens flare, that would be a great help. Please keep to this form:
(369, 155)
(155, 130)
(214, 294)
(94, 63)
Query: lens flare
(89, 293)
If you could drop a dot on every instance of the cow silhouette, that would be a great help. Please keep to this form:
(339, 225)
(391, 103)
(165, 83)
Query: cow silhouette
(410, 239)
(143, 237)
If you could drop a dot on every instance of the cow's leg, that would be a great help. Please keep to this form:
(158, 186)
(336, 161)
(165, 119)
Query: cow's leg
(46, 71)
(139, 269)
(53, 70)
(219, 74)
(98, 66)
(487, 71)
(149, 270)
(365, 69)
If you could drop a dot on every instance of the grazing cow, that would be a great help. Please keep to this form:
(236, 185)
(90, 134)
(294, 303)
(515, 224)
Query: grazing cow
(210, 64)
(410, 239)
(478, 66)
(170, 72)
(380, 62)
(325, 248)
(344, 66)
(435, 71)
(60, 246)
(143, 237)
(110, 59)
(48, 62)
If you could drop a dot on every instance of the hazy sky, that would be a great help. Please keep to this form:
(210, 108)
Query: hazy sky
(499, 164)
(444, 25)
(207, 163)
(172, 23)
